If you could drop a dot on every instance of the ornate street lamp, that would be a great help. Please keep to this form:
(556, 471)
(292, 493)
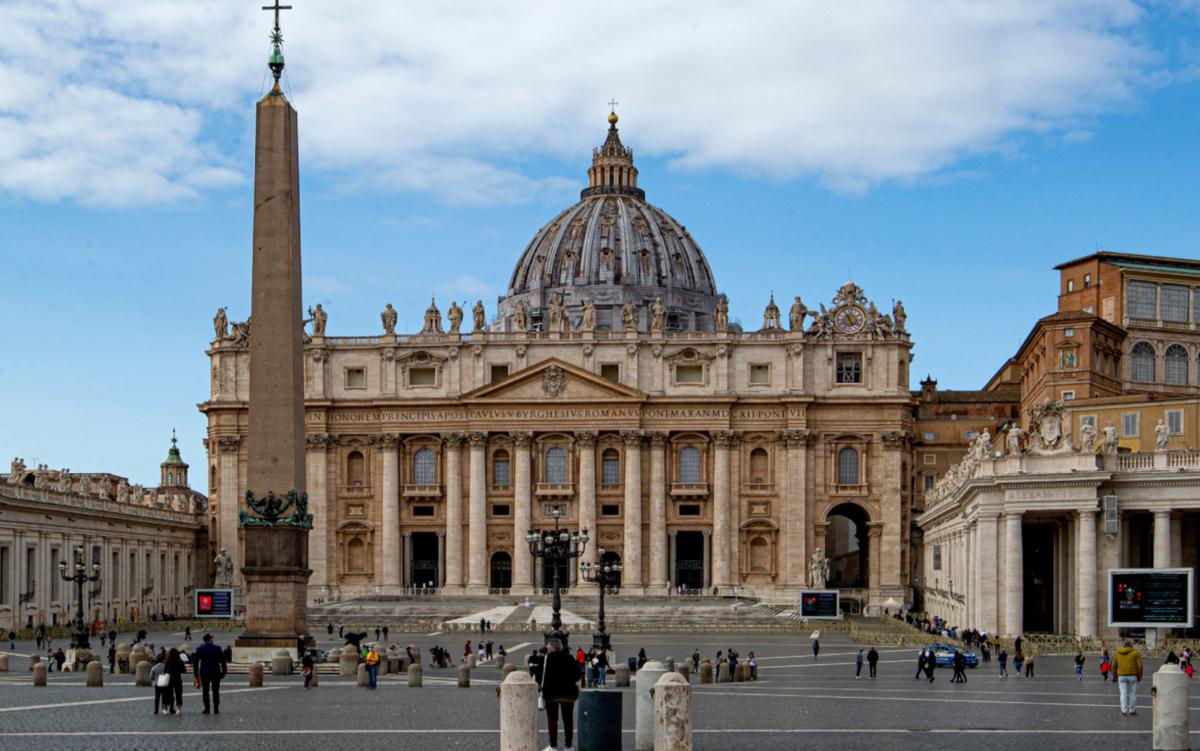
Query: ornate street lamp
(606, 574)
(80, 640)
(556, 546)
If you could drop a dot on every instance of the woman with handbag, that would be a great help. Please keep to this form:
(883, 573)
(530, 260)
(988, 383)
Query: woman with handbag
(560, 690)
(175, 669)
(161, 681)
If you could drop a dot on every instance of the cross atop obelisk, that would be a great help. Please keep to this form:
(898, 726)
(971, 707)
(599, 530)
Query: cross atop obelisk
(275, 62)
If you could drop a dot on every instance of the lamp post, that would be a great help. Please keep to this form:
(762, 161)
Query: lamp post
(80, 640)
(606, 575)
(556, 546)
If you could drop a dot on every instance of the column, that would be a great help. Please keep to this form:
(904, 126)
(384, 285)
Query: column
(585, 441)
(797, 442)
(389, 445)
(985, 567)
(227, 536)
(707, 571)
(1086, 571)
(658, 510)
(1014, 575)
(522, 565)
(631, 573)
(1177, 541)
(453, 577)
(477, 521)
(720, 534)
(316, 463)
(406, 579)
(1162, 539)
(891, 502)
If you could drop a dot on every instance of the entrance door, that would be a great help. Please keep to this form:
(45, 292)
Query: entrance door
(1038, 555)
(501, 573)
(689, 559)
(425, 560)
(564, 575)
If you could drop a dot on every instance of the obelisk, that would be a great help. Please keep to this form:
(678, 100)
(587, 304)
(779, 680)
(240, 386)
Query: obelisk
(274, 517)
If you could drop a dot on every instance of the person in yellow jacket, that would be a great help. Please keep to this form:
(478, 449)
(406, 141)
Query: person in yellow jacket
(372, 663)
(1127, 664)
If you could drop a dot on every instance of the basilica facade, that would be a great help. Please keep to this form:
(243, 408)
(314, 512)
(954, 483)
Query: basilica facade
(608, 391)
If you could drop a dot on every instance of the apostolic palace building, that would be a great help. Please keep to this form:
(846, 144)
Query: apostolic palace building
(608, 383)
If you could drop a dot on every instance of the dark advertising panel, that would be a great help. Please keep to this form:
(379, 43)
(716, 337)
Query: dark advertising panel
(214, 603)
(819, 604)
(1150, 597)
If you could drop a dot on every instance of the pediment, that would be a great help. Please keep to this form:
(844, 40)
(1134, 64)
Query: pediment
(554, 380)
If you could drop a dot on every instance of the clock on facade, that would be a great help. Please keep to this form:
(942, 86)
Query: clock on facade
(850, 319)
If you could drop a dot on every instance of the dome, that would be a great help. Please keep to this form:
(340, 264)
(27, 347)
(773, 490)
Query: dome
(612, 248)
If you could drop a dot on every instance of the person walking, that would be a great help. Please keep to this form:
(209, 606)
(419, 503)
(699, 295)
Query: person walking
(187, 633)
(385, 632)
(487, 648)
(329, 629)
(858, 661)
(112, 659)
(872, 662)
(1105, 666)
(1018, 661)
(930, 665)
(1079, 658)
(1128, 664)
(341, 628)
(920, 664)
(960, 667)
(560, 690)
(208, 668)
(1002, 659)
(696, 661)
(372, 663)
(466, 650)
(816, 647)
(582, 658)
(60, 657)
(162, 690)
(175, 668)
(307, 667)
(12, 639)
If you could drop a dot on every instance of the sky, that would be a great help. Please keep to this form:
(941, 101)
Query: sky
(945, 153)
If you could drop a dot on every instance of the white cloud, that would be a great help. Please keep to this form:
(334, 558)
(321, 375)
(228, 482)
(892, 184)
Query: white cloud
(119, 101)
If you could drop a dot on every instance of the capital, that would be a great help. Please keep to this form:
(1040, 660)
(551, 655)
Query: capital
(386, 441)
(895, 439)
(452, 440)
(229, 444)
(658, 439)
(726, 437)
(477, 440)
(319, 441)
(521, 438)
(631, 437)
(586, 439)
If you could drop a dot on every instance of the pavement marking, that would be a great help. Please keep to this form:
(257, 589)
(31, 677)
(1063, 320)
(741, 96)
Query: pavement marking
(629, 731)
(831, 654)
(925, 699)
(124, 699)
(434, 633)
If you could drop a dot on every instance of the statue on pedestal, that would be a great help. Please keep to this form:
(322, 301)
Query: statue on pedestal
(721, 315)
(1162, 436)
(1110, 444)
(16, 470)
(629, 317)
(588, 324)
(477, 316)
(1087, 438)
(319, 318)
(658, 316)
(388, 316)
(899, 317)
(221, 325)
(1013, 440)
(797, 315)
(554, 313)
(455, 317)
(521, 316)
(224, 574)
(818, 570)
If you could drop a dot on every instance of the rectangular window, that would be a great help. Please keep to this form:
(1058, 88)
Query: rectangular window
(611, 371)
(929, 480)
(760, 375)
(937, 557)
(422, 376)
(689, 374)
(689, 509)
(610, 471)
(610, 509)
(1175, 303)
(970, 435)
(1142, 300)
(356, 378)
(1130, 426)
(1175, 421)
(929, 458)
(1068, 332)
(929, 436)
(1087, 281)
(849, 367)
(501, 476)
(499, 373)
(1087, 420)
(1068, 396)
(501, 509)
(55, 592)
(1070, 285)
(422, 510)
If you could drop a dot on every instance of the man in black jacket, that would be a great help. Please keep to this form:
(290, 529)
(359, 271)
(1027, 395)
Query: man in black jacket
(208, 667)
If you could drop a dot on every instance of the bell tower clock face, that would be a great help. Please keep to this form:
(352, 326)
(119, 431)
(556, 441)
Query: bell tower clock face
(850, 319)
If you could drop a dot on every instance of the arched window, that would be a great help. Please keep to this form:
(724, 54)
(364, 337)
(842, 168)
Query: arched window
(424, 468)
(848, 466)
(689, 465)
(610, 467)
(1175, 366)
(556, 465)
(1141, 364)
(500, 469)
(356, 469)
(759, 467)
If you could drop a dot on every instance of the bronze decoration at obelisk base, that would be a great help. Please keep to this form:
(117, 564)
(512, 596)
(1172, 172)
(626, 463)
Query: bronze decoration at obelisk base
(275, 520)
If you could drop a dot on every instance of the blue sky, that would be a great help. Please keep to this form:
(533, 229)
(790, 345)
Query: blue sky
(949, 159)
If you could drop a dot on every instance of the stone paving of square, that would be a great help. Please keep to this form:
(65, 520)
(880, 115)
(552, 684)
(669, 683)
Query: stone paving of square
(798, 702)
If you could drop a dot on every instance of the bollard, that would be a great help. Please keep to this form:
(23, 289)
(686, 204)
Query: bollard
(3, 663)
(95, 674)
(742, 674)
(644, 704)
(506, 670)
(672, 714)
(281, 662)
(621, 679)
(706, 671)
(500, 661)
(402, 664)
(348, 662)
(39, 675)
(471, 660)
(34, 659)
(143, 674)
(464, 676)
(256, 675)
(123, 658)
(670, 663)
(599, 721)
(1170, 692)
(518, 713)
(364, 681)
(723, 673)
(316, 680)
(685, 669)
(415, 676)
